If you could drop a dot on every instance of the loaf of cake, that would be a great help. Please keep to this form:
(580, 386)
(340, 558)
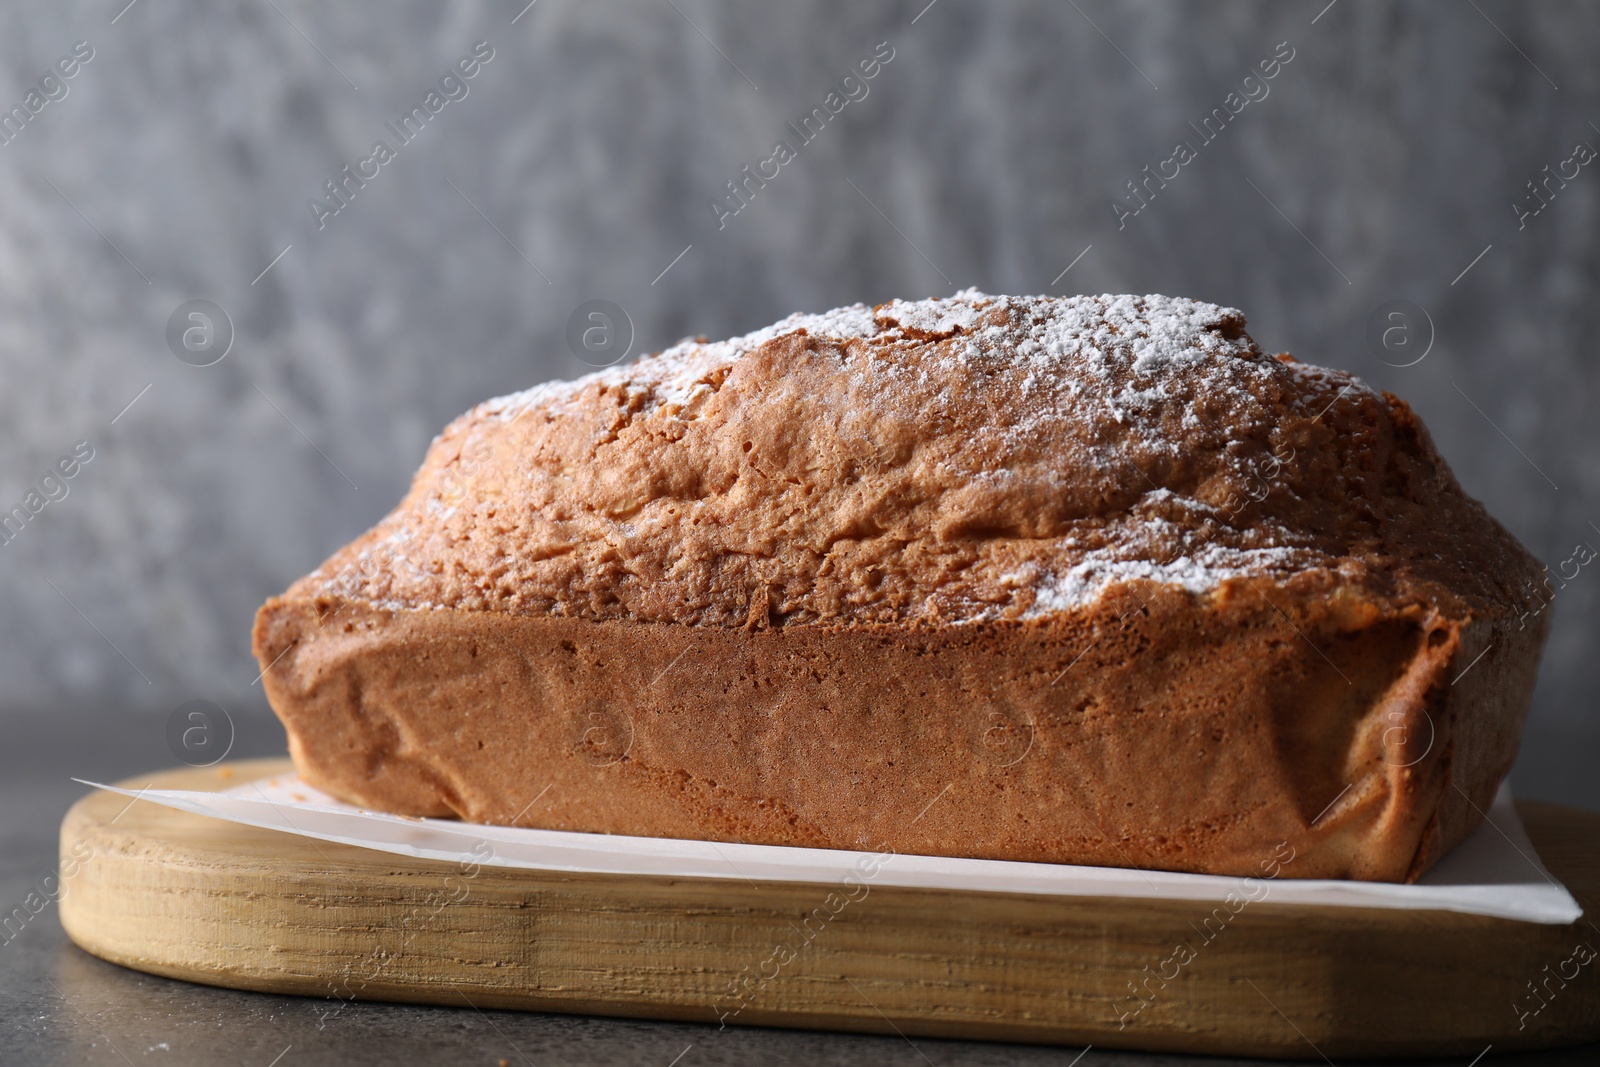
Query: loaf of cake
(1088, 580)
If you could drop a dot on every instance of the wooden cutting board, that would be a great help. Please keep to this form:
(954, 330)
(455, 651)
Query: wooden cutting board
(209, 901)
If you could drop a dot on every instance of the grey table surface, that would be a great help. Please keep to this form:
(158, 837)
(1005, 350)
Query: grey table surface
(59, 1005)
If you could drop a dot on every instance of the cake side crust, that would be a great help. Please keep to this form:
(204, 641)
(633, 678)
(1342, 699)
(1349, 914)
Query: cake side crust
(1141, 732)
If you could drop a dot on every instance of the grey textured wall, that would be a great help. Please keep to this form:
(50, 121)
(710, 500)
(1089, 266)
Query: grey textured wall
(1383, 161)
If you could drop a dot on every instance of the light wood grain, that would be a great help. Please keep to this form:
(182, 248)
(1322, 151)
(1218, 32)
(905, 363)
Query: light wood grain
(209, 901)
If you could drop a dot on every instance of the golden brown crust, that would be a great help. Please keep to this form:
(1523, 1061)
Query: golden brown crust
(992, 461)
(860, 556)
(1136, 733)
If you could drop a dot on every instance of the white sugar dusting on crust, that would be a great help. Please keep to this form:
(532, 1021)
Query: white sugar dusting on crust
(673, 375)
(939, 317)
(1198, 572)
(1154, 335)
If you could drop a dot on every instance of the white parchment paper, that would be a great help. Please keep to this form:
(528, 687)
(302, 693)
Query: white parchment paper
(1494, 872)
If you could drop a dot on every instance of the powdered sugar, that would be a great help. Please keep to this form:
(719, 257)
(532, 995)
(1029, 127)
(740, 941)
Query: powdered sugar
(673, 376)
(1198, 572)
(1152, 547)
(938, 318)
(1154, 337)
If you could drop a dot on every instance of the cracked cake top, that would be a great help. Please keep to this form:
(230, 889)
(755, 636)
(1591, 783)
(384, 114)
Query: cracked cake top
(975, 458)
